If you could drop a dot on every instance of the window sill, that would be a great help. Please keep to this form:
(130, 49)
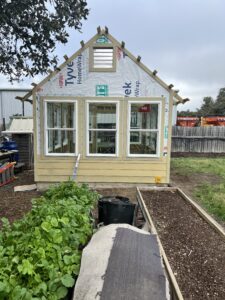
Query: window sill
(101, 155)
(143, 155)
(61, 154)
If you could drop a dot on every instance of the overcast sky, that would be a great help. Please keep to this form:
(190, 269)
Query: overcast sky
(183, 39)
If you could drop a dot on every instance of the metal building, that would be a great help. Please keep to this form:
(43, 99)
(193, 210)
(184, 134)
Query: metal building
(10, 106)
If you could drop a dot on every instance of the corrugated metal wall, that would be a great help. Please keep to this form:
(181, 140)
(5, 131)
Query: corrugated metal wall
(9, 106)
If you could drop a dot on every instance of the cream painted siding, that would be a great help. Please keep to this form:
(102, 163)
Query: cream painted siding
(102, 171)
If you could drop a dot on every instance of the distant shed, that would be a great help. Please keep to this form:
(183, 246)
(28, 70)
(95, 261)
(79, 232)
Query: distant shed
(21, 130)
(9, 106)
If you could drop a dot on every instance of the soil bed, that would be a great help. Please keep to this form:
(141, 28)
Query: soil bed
(13, 205)
(195, 251)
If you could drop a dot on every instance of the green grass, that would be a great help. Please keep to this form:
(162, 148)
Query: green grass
(187, 165)
(211, 196)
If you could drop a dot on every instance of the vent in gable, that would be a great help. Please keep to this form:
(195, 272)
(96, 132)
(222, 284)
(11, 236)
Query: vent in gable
(103, 57)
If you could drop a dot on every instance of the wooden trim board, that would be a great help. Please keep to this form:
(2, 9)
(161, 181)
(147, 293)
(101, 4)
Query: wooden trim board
(202, 213)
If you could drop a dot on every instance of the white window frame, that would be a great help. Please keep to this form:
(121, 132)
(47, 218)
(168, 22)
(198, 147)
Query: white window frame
(46, 101)
(144, 130)
(113, 130)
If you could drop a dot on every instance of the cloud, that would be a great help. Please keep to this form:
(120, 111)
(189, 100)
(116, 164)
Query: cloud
(183, 40)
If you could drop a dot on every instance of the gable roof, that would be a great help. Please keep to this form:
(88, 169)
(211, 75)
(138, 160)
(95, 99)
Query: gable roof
(153, 74)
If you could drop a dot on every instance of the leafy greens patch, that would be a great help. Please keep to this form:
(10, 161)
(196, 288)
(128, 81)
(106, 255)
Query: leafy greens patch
(40, 254)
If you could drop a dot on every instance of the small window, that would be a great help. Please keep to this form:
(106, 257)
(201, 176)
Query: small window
(102, 59)
(60, 128)
(102, 129)
(143, 129)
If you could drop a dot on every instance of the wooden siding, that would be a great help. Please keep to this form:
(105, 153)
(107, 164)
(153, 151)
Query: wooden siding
(198, 139)
(124, 171)
(25, 146)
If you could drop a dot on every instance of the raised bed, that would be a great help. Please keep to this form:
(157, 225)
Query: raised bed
(194, 246)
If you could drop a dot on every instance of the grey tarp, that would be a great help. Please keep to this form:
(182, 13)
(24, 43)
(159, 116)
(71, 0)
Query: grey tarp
(121, 262)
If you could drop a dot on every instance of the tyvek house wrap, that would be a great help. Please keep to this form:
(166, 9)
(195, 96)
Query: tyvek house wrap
(129, 80)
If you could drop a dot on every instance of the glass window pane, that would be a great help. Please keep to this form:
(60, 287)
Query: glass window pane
(102, 115)
(60, 115)
(144, 116)
(68, 118)
(143, 143)
(61, 141)
(102, 142)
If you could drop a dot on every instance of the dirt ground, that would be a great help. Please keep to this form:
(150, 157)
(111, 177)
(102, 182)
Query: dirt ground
(13, 205)
(195, 251)
(193, 248)
(189, 182)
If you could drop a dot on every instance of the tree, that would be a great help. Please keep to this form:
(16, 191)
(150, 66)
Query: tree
(30, 30)
(186, 113)
(207, 108)
(220, 103)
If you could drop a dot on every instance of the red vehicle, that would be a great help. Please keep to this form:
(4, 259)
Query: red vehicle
(213, 121)
(187, 121)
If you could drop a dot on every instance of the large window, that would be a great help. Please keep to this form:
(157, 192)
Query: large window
(143, 131)
(102, 128)
(60, 127)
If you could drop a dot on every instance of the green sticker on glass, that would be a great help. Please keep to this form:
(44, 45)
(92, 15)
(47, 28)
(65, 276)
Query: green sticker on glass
(102, 90)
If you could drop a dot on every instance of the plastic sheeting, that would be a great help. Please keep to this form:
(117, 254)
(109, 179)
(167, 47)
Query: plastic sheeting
(129, 80)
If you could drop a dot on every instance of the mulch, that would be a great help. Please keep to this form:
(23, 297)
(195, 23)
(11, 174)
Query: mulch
(13, 205)
(194, 249)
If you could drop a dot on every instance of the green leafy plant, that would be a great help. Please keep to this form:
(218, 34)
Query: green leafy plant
(40, 254)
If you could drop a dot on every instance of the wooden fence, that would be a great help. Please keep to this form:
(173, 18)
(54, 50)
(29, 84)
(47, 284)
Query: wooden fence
(198, 139)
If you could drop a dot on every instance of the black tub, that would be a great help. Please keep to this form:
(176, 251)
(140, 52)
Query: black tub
(115, 209)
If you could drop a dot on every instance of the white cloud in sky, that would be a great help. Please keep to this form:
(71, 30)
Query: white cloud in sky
(183, 40)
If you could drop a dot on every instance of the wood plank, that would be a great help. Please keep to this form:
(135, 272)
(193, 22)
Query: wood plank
(94, 160)
(98, 179)
(209, 139)
(203, 213)
(102, 165)
(101, 172)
